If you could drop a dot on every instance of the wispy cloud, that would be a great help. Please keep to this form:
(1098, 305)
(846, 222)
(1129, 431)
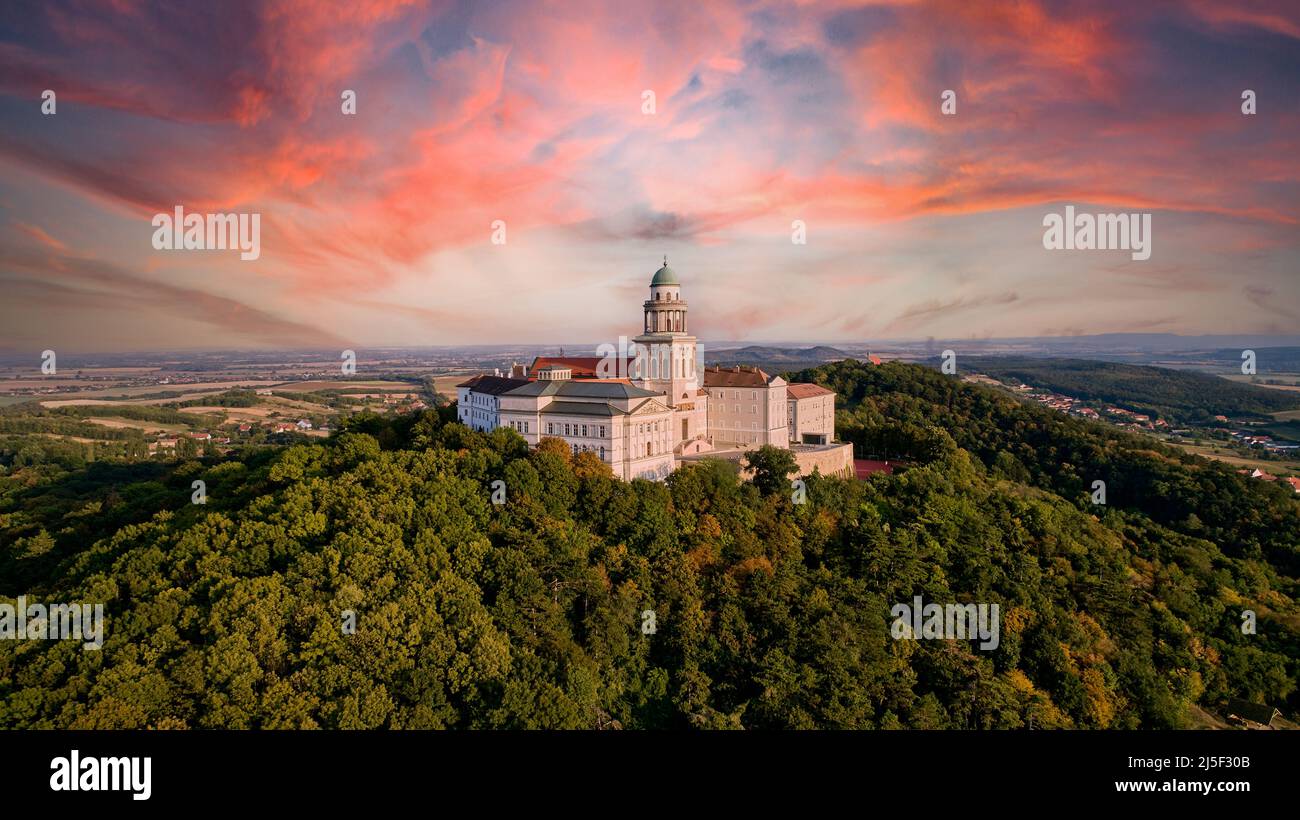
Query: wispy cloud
(765, 113)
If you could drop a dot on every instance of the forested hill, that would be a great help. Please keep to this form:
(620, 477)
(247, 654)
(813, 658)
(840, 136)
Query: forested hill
(910, 411)
(1175, 395)
(766, 613)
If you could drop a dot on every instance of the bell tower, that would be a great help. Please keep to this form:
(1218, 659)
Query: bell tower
(665, 312)
(667, 361)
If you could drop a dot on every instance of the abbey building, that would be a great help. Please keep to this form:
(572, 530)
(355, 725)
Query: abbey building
(644, 408)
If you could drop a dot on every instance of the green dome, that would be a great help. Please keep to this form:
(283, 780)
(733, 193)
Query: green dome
(664, 276)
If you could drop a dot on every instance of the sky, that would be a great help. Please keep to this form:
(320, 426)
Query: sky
(377, 227)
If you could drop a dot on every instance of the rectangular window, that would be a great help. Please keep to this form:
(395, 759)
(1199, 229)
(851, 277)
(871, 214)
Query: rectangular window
(602, 435)
(566, 429)
(584, 430)
(550, 429)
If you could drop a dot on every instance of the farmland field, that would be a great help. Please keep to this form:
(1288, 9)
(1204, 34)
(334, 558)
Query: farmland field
(342, 384)
(146, 426)
(1227, 456)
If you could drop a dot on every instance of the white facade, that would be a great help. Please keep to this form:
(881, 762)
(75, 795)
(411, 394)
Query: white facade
(810, 414)
(747, 407)
(628, 428)
(478, 401)
(477, 411)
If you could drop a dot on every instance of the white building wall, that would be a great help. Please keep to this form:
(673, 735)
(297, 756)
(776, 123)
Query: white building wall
(477, 411)
(812, 416)
(748, 416)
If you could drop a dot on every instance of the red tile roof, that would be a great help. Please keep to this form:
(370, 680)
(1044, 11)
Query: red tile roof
(802, 390)
(735, 377)
(582, 366)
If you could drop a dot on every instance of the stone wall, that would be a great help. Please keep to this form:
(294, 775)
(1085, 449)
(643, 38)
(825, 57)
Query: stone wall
(831, 459)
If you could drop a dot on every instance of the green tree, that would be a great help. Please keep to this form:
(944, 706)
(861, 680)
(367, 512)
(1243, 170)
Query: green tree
(772, 467)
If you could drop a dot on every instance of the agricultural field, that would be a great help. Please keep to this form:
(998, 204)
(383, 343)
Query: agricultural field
(1229, 457)
(446, 385)
(147, 427)
(313, 386)
(1292, 380)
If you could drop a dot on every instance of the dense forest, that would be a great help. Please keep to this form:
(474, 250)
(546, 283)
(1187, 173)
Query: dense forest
(1174, 395)
(765, 612)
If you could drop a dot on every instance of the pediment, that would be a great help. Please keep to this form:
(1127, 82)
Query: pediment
(648, 407)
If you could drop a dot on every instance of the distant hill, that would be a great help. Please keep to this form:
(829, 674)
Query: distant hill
(775, 359)
(1176, 395)
(1268, 359)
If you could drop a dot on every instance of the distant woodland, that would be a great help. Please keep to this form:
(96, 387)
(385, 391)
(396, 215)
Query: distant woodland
(1174, 395)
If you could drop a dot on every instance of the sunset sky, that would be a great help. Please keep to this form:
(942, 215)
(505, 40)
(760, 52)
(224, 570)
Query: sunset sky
(376, 227)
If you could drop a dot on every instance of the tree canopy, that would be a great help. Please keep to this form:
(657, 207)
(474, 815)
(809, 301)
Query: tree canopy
(768, 613)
